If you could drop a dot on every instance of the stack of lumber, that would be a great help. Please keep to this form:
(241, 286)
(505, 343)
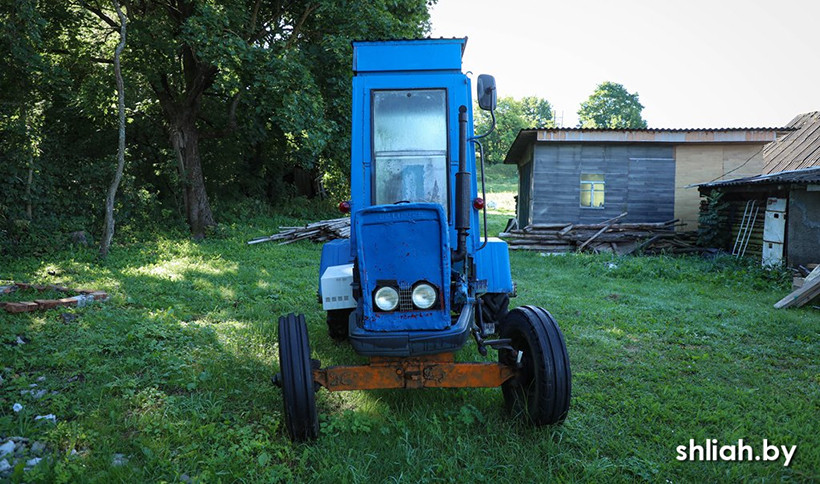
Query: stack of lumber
(322, 231)
(609, 236)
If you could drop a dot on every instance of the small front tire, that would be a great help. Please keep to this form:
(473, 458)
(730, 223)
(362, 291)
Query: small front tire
(298, 390)
(540, 392)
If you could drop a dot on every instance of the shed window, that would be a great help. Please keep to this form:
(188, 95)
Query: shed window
(592, 190)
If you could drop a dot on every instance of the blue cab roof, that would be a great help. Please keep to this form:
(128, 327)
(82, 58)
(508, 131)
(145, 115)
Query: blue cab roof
(408, 55)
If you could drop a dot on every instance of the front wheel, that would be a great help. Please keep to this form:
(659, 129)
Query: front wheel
(298, 389)
(540, 392)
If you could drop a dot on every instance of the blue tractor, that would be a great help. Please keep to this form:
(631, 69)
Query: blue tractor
(417, 277)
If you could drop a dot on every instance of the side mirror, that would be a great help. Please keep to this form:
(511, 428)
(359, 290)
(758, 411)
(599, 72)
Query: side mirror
(485, 90)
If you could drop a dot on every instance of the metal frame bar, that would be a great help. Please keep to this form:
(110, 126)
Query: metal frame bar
(431, 371)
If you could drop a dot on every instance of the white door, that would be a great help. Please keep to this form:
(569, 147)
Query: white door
(774, 231)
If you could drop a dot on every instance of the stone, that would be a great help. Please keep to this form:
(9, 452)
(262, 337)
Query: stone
(119, 460)
(68, 317)
(4, 465)
(33, 462)
(7, 448)
(37, 448)
(47, 418)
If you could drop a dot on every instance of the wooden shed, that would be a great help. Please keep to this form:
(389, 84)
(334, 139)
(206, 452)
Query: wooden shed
(577, 175)
(784, 200)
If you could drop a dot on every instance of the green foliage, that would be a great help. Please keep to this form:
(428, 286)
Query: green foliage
(714, 229)
(611, 106)
(287, 67)
(512, 115)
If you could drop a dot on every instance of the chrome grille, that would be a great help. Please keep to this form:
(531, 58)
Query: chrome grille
(405, 298)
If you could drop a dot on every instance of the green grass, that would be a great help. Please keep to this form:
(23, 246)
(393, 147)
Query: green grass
(502, 186)
(174, 372)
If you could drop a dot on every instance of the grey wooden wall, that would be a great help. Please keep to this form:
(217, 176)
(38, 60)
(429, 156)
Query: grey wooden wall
(639, 179)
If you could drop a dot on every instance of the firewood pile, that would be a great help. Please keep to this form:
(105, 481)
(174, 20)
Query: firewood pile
(322, 231)
(609, 236)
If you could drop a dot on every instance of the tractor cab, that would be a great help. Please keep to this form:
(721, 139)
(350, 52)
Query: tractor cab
(418, 275)
(415, 238)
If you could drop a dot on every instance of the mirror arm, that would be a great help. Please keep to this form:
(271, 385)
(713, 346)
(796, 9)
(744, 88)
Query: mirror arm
(492, 128)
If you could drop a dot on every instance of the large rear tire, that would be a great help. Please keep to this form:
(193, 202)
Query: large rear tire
(540, 392)
(298, 390)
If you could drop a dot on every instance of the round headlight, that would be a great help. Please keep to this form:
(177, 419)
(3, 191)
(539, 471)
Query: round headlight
(424, 296)
(387, 298)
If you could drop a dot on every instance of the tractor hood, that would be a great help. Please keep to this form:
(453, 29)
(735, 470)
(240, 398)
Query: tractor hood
(402, 246)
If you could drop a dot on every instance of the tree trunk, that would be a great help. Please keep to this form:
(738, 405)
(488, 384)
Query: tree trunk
(108, 229)
(185, 140)
(32, 148)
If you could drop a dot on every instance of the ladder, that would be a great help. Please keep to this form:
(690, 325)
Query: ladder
(744, 233)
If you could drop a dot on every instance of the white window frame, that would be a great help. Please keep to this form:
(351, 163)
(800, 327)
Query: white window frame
(592, 191)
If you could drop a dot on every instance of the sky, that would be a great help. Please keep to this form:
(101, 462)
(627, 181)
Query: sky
(694, 63)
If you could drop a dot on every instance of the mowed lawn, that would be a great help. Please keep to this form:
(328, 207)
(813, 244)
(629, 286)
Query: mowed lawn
(169, 380)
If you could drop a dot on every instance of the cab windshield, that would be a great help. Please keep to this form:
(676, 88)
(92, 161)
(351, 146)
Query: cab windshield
(410, 146)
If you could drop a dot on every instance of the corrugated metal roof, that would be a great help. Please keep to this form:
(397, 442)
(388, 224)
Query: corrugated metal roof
(787, 128)
(797, 149)
(650, 135)
(797, 177)
(676, 136)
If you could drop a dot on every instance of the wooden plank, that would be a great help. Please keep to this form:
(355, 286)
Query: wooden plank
(614, 220)
(545, 248)
(532, 227)
(47, 303)
(581, 248)
(809, 291)
(21, 307)
(814, 274)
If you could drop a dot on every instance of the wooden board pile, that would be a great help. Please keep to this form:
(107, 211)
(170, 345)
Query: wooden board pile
(322, 231)
(82, 297)
(608, 236)
(808, 289)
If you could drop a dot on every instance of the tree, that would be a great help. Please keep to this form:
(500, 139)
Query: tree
(222, 68)
(108, 228)
(224, 100)
(611, 106)
(537, 112)
(512, 116)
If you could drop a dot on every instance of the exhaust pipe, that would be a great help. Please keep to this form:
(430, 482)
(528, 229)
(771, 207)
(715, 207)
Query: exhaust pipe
(462, 189)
